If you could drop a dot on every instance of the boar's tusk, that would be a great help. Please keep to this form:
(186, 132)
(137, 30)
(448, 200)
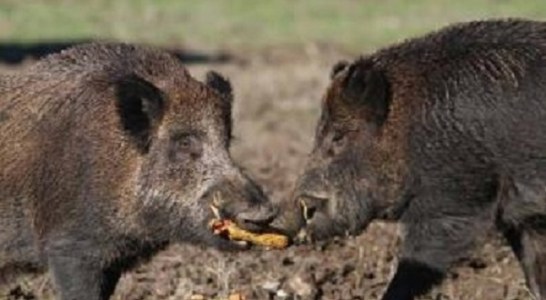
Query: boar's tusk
(305, 211)
(215, 211)
(216, 203)
(216, 199)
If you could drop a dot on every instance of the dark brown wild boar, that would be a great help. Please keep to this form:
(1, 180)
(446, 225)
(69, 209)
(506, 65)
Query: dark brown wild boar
(445, 133)
(109, 152)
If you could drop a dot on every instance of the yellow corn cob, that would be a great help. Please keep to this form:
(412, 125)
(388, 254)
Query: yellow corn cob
(234, 232)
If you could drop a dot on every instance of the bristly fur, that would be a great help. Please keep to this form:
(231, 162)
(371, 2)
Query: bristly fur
(451, 143)
(109, 152)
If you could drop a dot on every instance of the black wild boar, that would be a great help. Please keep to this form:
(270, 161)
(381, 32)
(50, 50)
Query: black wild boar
(445, 133)
(109, 152)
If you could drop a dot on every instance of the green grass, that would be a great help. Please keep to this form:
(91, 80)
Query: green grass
(247, 24)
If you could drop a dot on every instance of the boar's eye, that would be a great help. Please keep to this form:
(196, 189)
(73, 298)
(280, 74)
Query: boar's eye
(338, 137)
(337, 142)
(186, 143)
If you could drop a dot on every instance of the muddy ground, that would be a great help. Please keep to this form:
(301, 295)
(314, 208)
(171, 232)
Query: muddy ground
(276, 107)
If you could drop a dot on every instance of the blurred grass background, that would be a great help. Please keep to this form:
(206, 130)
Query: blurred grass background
(246, 24)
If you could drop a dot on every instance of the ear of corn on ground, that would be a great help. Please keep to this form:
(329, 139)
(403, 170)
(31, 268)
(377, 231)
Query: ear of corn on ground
(234, 232)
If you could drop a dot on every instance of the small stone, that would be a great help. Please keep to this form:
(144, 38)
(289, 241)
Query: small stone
(271, 286)
(301, 287)
(282, 294)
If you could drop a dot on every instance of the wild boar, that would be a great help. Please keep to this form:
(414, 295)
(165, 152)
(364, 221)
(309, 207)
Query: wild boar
(108, 153)
(445, 133)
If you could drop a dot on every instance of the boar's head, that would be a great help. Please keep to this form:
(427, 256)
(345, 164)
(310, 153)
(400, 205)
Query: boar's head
(347, 179)
(185, 175)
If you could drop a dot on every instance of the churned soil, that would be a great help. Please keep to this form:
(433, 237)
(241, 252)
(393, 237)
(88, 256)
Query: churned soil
(277, 96)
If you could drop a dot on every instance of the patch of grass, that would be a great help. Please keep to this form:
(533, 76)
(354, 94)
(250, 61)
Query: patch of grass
(361, 25)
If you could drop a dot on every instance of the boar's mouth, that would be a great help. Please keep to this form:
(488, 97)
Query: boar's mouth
(251, 223)
(320, 225)
(242, 245)
(255, 217)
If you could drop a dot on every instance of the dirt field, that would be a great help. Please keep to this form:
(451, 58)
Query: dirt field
(276, 107)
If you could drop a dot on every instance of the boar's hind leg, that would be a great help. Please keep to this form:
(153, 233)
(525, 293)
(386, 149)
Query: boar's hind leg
(80, 276)
(529, 245)
(431, 245)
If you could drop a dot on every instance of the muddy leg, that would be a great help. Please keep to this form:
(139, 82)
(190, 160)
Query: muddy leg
(76, 279)
(523, 222)
(411, 280)
(434, 240)
(529, 245)
(79, 274)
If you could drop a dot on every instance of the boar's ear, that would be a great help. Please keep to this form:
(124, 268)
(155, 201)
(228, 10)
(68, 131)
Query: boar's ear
(223, 87)
(338, 68)
(367, 87)
(219, 84)
(140, 106)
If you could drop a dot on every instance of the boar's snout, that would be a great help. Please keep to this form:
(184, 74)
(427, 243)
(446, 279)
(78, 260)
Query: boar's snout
(289, 220)
(244, 203)
(297, 211)
(256, 218)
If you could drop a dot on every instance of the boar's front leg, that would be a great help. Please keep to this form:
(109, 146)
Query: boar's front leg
(412, 279)
(78, 273)
(529, 245)
(435, 238)
(523, 222)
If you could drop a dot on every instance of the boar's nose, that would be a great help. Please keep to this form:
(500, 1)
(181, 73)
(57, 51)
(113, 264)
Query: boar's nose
(257, 217)
(310, 205)
(245, 205)
(258, 212)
